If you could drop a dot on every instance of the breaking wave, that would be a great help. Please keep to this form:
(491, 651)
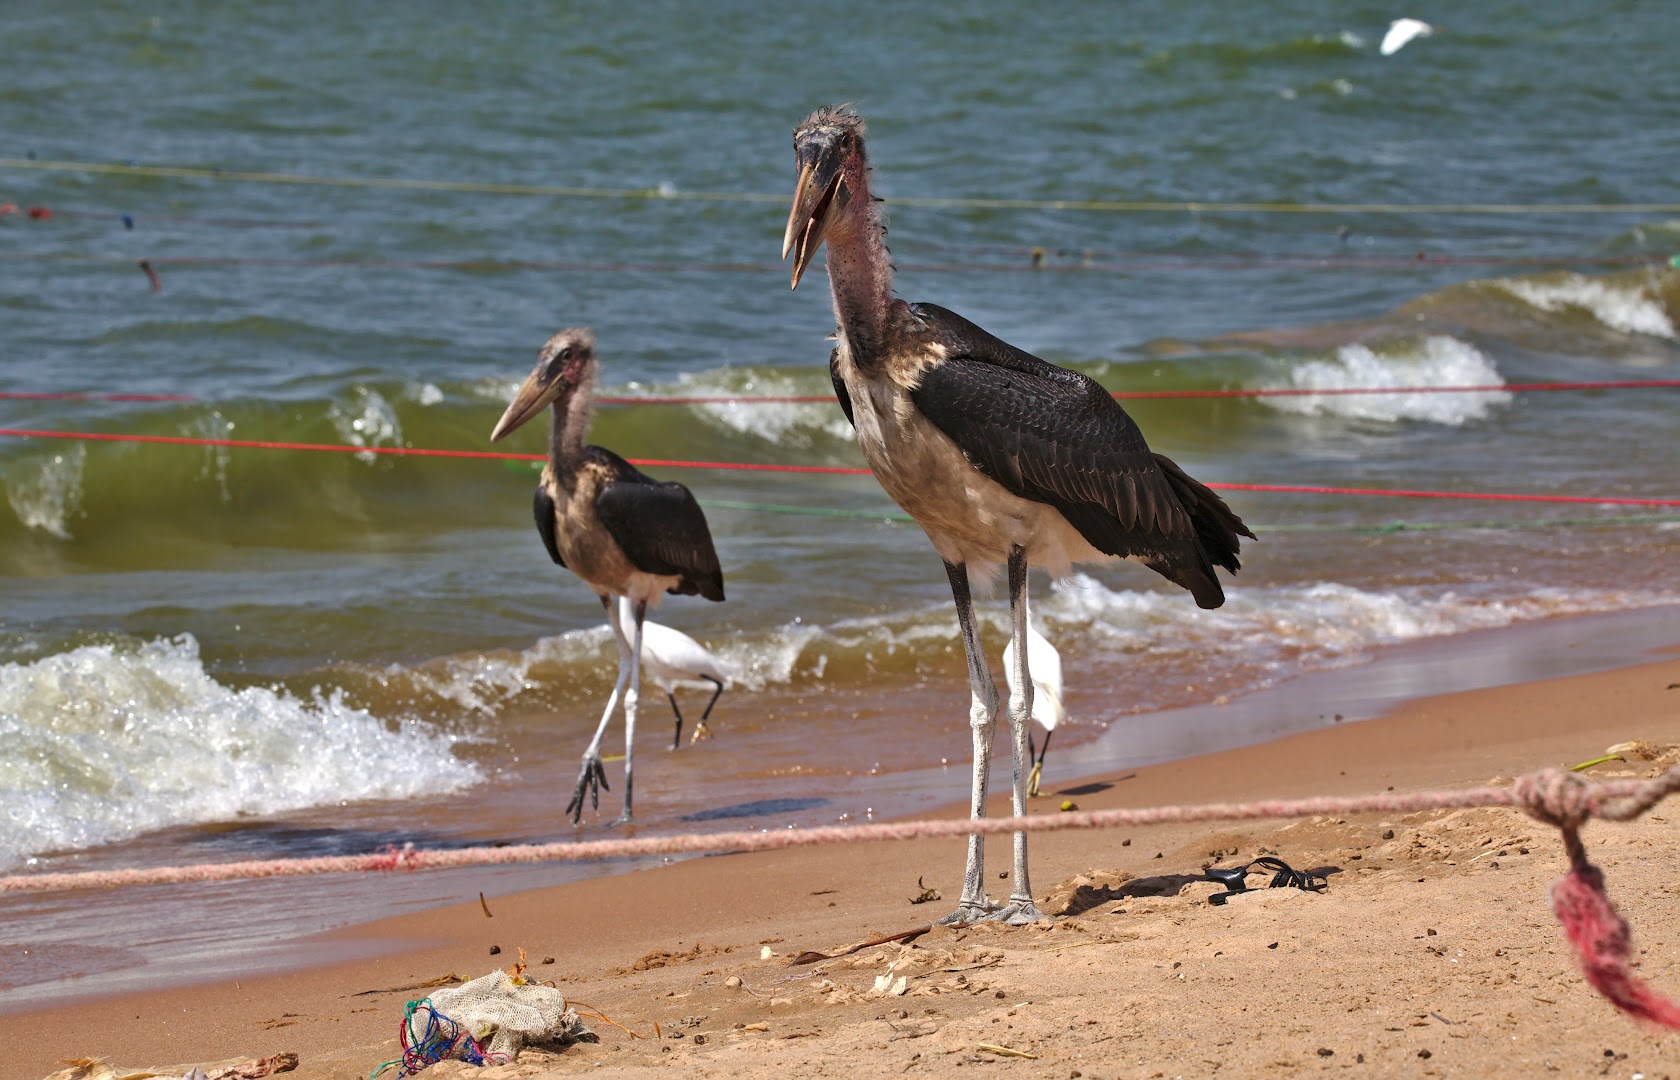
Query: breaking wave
(1437, 360)
(1620, 305)
(108, 741)
(45, 492)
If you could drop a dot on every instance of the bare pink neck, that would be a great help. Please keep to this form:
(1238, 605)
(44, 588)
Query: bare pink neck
(860, 274)
(570, 426)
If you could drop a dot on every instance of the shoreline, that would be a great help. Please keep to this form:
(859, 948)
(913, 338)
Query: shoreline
(278, 925)
(601, 924)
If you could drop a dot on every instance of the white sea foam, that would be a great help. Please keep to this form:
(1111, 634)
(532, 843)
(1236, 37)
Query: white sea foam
(104, 742)
(366, 420)
(1630, 309)
(214, 426)
(1302, 627)
(1261, 633)
(46, 491)
(1437, 360)
(794, 425)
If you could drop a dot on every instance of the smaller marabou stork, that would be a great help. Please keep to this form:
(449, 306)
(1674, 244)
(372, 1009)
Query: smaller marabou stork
(1004, 460)
(672, 658)
(624, 533)
(1045, 665)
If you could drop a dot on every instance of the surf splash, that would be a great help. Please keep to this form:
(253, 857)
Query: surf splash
(1437, 360)
(1621, 305)
(45, 491)
(108, 741)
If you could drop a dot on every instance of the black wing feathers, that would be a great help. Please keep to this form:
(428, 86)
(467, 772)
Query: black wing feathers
(542, 508)
(659, 526)
(1056, 436)
(840, 390)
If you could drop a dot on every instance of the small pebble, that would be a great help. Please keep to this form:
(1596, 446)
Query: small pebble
(494, 949)
(548, 959)
(1273, 945)
(699, 1040)
(1426, 1055)
(1388, 834)
(733, 982)
(1325, 1051)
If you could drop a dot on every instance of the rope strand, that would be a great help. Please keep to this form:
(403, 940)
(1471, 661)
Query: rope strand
(751, 466)
(665, 193)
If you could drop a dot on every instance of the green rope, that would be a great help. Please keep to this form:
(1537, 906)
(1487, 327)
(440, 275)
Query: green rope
(807, 511)
(1380, 528)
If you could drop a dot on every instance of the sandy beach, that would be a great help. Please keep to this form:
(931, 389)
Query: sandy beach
(1432, 952)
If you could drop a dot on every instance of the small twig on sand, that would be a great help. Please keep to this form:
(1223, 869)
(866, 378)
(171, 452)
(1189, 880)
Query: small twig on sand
(1005, 1051)
(812, 957)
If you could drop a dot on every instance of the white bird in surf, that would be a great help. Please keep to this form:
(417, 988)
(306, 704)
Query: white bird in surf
(1045, 671)
(1402, 31)
(671, 658)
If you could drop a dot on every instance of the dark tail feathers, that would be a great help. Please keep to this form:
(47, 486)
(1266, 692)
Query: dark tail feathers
(1217, 527)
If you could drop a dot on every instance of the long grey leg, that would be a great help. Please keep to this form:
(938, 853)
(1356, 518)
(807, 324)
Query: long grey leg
(982, 720)
(593, 776)
(1020, 910)
(632, 698)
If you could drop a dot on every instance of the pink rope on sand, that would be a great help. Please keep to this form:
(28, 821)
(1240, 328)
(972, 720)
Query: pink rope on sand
(1599, 935)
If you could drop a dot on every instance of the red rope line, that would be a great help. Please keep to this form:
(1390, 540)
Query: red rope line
(1419, 260)
(1599, 935)
(749, 466)
(818, 399)
(1285, 391)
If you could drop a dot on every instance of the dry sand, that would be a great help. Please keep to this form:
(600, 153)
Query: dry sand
(1433, 952)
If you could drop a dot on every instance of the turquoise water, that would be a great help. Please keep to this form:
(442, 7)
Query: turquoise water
(281, 606)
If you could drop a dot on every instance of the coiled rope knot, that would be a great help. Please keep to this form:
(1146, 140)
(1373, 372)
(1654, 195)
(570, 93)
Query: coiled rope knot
(395, 858)
(1557, 797)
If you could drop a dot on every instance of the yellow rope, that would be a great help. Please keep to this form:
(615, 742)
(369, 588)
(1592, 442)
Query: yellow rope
(1120, 206)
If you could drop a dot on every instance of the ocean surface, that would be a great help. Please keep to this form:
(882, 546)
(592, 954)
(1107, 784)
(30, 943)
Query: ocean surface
(212, 652)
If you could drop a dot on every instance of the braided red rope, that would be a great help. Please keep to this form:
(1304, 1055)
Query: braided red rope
(1598, 934)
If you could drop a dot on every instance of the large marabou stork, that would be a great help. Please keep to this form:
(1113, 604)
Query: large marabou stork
(625, 534)
(1001, 457)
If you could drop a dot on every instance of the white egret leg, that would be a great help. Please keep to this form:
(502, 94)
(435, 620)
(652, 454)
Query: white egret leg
(593, 776)
(982, 720)
(632, 698)
(1020, 910)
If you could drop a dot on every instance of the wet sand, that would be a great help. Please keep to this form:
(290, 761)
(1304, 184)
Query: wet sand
(1433, 950)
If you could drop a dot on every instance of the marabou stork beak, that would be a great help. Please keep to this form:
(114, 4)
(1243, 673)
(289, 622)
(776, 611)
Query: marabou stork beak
(532, 398)
(818, 194)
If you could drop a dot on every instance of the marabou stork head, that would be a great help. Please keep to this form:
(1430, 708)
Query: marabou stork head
(565, 362)
(828, 149)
